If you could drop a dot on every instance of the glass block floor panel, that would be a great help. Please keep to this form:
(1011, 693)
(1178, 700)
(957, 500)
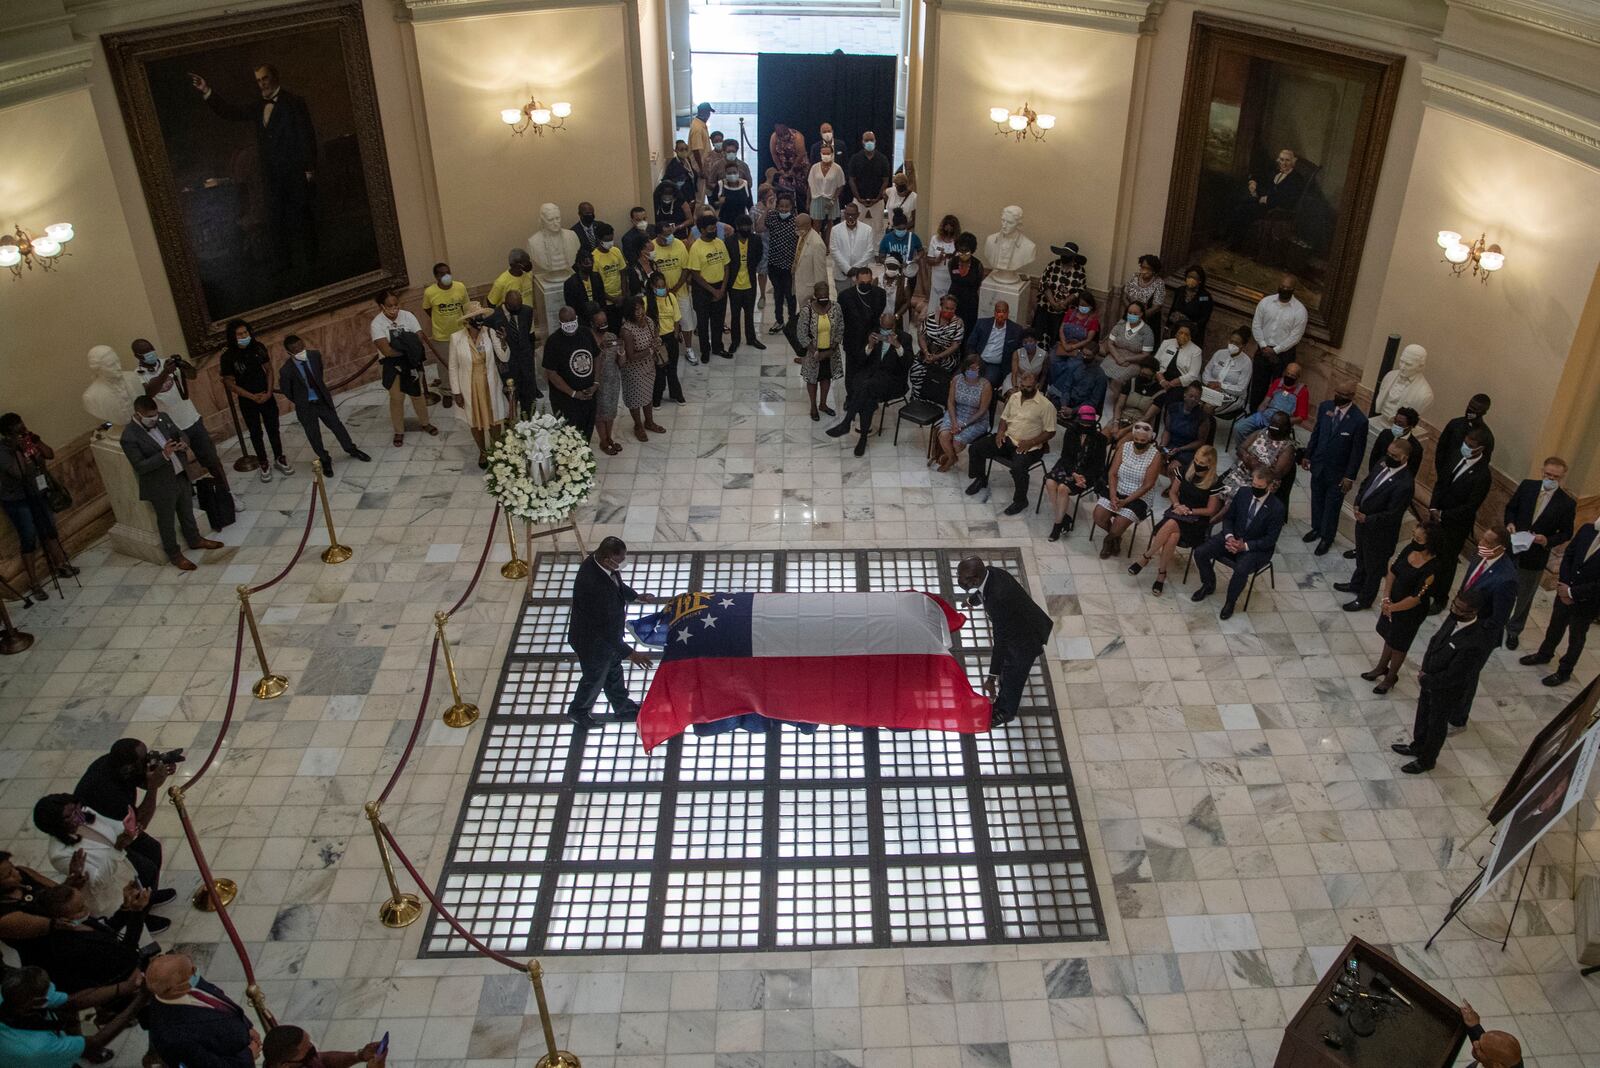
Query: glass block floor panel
(579, 842)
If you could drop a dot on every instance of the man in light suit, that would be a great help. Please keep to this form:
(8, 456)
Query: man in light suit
(1247, 539)
(193, 1022)
(1020, 626)
(595, 624)
(160, 457)
(1542, 508)
(300, 379)
(994, 340)
(1380, 505)
(1333, 456)
(1577, 604)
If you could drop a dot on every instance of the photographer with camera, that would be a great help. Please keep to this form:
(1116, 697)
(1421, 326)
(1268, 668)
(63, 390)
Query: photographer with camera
(111, 785)
(166, 381)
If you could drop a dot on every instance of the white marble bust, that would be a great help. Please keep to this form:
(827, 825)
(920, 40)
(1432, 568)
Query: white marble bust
(1405, 387)
(553, 247)
(1008, 251)
(110, 396)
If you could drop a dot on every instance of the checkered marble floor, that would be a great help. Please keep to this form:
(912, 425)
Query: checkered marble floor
(1241, 809)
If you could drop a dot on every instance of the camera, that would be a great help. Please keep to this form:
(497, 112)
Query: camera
(171, 756)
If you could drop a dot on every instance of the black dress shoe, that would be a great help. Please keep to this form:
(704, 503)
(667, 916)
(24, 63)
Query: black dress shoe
(630, 715)
(161, 897)
(861, 446)
(327, 467)
(839, 430)
(1534, 658)
(1356, 606)
(1226, 613)
(1349, 554)
(1512, 641)
(1055, 532)
(1310, 536)
(1322, 548)
(998, 720)
(975, 487)
(1416, 767)
(582, 719)
(156, 924)
(1202, 593)
(1555, 678)
(1372, 676)
(1345, 587)
(359, 455)
(1404, 748)
(825, 410)
(729, 354)
(1016, 507)
(757, 344)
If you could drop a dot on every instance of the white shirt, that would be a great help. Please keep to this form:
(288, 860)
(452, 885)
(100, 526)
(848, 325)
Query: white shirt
(383, 327)
(826, 185)
(179, 409)
(1187, 358)
(1277, 325)
(908, 205)
(1230, 370)
(161, 439)
(105, 866)
(851, 248)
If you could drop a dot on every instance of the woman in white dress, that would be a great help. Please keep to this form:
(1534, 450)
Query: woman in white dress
(1133, 475)
(936, 258)
(476, 351)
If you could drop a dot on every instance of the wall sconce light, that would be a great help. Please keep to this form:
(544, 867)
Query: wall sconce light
(539, 116)
(1021, 122)
(1478, 256)
(22, 249)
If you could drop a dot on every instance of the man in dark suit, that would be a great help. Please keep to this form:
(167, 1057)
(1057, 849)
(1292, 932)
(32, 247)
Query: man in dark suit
(1020, 627)
(1448, 679)
(515, 321)
(1577, 604)
(587, 228)
(160, 457)
(1542, 508)
(1457, 495)
(861, 305)
(1380, 508)
(595, 632)
(744, 253)
(286, 152)
(1493, 577)
(584, 286)
(1248, 536)
(300, 379)
(1333, 456)
(192, 1022)
(1403, 428)
(1448, 449)
(994, 340)
(881, 378)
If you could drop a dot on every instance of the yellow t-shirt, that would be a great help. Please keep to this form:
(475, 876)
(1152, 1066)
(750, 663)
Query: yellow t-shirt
(667, 314)
(824, 333)
(670, 261)
(611, 266)
(699, 136)
(710, 258)
(444, 307)
(742, 279)
(507, 282)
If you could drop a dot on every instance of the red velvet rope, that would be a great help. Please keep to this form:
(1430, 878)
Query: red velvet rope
(233, 697)
(311, 515)
(483, 558)
(216, 902)
(416, 728)
(363, 369)
(416, 877)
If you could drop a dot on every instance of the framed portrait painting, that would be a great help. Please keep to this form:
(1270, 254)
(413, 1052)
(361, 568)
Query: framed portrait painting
(1280, 142)
(261, 154)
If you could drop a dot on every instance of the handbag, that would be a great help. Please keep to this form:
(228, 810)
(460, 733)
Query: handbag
(56, 494)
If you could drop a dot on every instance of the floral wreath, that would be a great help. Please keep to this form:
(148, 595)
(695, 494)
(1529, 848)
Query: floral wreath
(540, 469)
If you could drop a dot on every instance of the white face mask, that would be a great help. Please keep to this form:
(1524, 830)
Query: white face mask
(1233, 350)
(570, 328)
(301, 355)
(640, 224)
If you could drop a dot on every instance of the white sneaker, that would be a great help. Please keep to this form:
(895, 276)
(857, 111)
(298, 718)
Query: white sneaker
(692, 358)
(285, 466)
(238, 502)
(266, 474)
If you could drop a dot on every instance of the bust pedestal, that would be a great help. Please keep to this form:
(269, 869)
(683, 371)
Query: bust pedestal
(134, 533)
(1016, 291)
(548, 292)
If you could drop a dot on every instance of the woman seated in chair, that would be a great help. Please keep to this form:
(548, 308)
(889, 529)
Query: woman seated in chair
(1272, 447)
(1135, 466)
(1195, 502)
(1185, 426)
(966, 413)
(1079, 469)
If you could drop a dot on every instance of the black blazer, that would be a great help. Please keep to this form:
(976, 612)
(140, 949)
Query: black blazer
(1021, 627)
(1498, 584)
(1337, 447)
(157, 480)
(1386, 436)
(734, 259)
(1284, 195)
(1458, 499)
(1582, 577)
(1555, 522)
(1448, 448)
(1455, 655)
(1261, 532)
(578, 291)
(883, 372)
(293, 386)
(287, 144)
(861, 313)
(199, 1036)
(1385, 510)
(599, 611)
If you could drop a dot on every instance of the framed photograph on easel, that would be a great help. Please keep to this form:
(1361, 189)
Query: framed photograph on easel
(1556, 738)
(1550, 798)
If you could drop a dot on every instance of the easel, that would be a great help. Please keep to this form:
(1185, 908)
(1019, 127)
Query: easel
(1460, 902)
(554, 534)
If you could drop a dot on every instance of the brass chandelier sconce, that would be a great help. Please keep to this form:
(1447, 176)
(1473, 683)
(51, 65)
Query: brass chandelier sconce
(537, 117)
(1021, 122)
(1480, 257)
(21, 249)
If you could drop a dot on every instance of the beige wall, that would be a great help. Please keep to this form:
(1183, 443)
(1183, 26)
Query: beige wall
(1067, 185)
(1511, 337)
(54, 169)
(491, 183)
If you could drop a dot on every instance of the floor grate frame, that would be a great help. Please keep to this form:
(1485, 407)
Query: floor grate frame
(574, 842)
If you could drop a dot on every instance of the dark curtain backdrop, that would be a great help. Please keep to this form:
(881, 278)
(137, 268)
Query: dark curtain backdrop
(855, 93)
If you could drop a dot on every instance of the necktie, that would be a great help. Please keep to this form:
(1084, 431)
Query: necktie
(1255, 507)
(1383, 476)
(1544, 499)
(266, 112)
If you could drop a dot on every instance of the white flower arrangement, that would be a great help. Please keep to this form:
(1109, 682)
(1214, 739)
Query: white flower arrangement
(540, 470)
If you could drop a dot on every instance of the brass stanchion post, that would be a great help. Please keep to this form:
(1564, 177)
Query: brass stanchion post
(258, 1001)
(462, 713)
(268, 685)
(13, 640)
(334, 553)
(401, 910)
(227, 889)
(513, 568)
(555, 1058)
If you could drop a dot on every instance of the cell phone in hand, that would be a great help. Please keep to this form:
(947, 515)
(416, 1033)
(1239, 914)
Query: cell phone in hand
(383, 1046)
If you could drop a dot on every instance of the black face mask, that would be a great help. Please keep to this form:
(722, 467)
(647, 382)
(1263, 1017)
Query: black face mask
(1290, 380)
(1472, 416)
(1285, 295)
(1258, 492)
(1391, 461)
(744, 233)
(1278, 432)
(1201, 469)
(586, 219)
(1027, 394)
(1460, 619)
(864, 287)
(708, 234)
(1340, 400)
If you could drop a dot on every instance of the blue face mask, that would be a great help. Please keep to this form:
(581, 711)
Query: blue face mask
(1549, 483)
(972, 376)
(1133, 320)
(243, 342)
(1466, 451)
(446, 280)
(869, 145)
(661, 291)
(1084, 309)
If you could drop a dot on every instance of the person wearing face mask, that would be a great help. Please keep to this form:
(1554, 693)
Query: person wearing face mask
(1286, 394)
(636, 280)
(91, 848)
(899, 287)
(966, 279)
(397, 336)
(637, 235)
(514, 320)
(672, 259)
(1192, 303)
(1457, 496)
(819, 332)
(595, 633)
(732, 194)
(745, 252)
(824, 183)
(707, 267)
(823, 143)
(160, 458)
(1333, 456)
(1135, 466)
(1059, 288)
(1194, 498)
(672, 208)
(1020, 626)
(1030, 357)
(1455, 655)
(900, 241)
(780, 239)
(901, 196)
(966, 414)
(1079, 467)
(300, 379)
(1127, 347)
(611, 266)
(1229, 373)
(191, 1021)
(39, 1024)
(1448, 449)
(84, 951)
(1178, 362)
(168, 383)
(1278, 325)
(870, 173)
(477, 352)
(1492, 575)
(880, 378)
(861, 303)
(1246, 540)
(24, 499)
(443, 303)
(1271, 448)
(850, 247)
(1147, 289)
(518, 276)
(662, 307)
(1406, 582)
(587, 228)
(287, 1046)
(936, 260)
(245, 368)
(1541, 509)
(1380, 504)
(1023, 431)
(993, 340)
(570, 357)
(1185, 426)
(725, 163)
(584, 285)
(940, 345)
(1576, 607)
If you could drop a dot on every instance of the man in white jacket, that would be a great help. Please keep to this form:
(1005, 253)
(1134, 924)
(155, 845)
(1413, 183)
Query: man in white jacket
(850, 247)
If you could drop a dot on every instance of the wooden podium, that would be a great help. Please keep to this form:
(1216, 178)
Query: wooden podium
(1429, 1034)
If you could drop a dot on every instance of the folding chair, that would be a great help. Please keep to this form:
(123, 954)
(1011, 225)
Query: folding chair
(1272, 578)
